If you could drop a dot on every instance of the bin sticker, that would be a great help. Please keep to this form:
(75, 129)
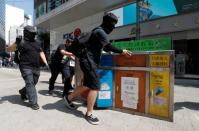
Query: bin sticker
(159, 93)
(129, 92)
(104, 95)
(159, 60)
(105, 86)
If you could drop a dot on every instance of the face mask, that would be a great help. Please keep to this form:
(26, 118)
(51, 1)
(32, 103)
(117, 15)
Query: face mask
(108, 27)
(29, 36)
(111, 27)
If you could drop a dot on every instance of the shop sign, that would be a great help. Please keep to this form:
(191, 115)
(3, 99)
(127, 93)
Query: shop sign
(163, 43)
(159, 60)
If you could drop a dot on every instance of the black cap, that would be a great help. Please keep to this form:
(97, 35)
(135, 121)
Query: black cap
(68, 36)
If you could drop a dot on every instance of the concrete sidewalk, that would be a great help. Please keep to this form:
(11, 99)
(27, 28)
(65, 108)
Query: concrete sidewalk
(54, 116)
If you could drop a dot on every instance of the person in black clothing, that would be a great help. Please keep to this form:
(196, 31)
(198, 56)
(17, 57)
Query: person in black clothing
(60, 63)
(29, 63)
(89, 63)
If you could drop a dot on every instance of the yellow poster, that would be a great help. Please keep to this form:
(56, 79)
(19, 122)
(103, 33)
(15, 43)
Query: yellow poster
(159, 60)
(159, 93)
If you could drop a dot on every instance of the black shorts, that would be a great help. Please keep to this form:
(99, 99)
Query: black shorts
(91, 78)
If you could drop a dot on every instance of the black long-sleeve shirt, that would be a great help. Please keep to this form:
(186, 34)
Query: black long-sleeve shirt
(111, 48)
(99, 41)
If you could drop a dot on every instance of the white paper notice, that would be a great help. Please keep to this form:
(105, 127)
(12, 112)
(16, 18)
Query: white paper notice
(104, 95)
(129, 92)
(72, 63)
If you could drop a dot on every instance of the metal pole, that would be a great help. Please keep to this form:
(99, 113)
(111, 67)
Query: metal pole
(137, 20)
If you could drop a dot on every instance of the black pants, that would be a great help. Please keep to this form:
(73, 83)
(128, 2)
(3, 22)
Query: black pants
(66, 71)
(30, 77)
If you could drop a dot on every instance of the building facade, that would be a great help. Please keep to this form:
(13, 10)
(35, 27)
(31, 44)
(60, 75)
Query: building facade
(178, 19)
(2, 25)
(14, 18)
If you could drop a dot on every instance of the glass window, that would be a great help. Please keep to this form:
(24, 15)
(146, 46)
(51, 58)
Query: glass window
(40, 10)
(52, 4)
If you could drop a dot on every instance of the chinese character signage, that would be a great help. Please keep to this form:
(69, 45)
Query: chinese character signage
(160, 60)
(145, 45)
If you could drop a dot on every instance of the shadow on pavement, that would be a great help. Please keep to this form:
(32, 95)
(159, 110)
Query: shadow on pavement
(59, 105)
(45, 82)
(14, 99)
(56, 93)
(189, 105)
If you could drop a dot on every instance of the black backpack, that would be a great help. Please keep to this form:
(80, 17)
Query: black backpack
(17, 52)
(79, 45)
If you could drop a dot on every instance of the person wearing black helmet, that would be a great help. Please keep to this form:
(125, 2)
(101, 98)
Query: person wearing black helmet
(89, 63)
(60, 62)
(29, 63)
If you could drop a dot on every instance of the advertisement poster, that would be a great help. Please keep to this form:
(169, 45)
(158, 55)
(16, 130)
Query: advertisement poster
(129, 92)
(154, 9)
(149, 10)
(159, 93)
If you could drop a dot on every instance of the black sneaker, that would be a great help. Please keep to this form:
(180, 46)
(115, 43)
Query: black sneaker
(92, 119)
(23, 96)
(35, 106)
(69, 104)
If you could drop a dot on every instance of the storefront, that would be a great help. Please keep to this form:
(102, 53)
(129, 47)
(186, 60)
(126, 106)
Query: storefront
(187, 57)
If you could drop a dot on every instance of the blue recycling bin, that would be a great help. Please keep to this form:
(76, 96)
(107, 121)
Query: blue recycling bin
(105, 94)
(106, 60)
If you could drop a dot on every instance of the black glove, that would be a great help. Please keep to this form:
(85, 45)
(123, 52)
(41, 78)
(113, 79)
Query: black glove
(18, 39)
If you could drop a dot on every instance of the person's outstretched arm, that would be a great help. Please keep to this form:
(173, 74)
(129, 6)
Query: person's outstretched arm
(12, 47)
(111, 48)
(64, 52)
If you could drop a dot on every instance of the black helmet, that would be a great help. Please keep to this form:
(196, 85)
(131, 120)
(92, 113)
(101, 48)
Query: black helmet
(29, 33)
(109, 22)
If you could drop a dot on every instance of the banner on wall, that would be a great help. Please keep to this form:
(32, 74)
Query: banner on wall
(159, 93)
(163, 43)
